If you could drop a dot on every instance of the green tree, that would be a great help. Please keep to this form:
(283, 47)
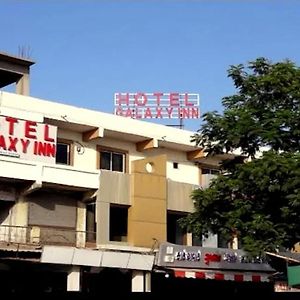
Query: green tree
(259, 201)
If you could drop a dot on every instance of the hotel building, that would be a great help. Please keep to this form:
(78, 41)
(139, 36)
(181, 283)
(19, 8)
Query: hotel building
(88, 197)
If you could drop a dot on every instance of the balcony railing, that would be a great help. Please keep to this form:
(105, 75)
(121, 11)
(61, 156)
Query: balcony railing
(206, 180)
(44, 235)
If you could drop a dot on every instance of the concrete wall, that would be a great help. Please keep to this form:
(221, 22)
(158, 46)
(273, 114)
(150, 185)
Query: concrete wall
(114, 187)
(147, 214)
(179, 196)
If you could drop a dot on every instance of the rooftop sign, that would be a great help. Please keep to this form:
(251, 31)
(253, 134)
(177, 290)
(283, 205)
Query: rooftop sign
(157, 105)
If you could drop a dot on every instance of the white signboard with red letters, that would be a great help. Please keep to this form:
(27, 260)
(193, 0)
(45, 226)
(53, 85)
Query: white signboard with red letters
(27, 139)
(157, 105)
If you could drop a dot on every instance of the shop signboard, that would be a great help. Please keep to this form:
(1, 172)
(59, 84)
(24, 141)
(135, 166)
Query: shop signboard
(178, 256)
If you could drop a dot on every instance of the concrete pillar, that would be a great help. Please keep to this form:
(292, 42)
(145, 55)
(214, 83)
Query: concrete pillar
(189, 239)
(141, 281)
(81, 224)
(35, 235)
(19, 217)
(235, 244)
(22, 85)
(147, 282)
(102, 217)
(73, 280)
(147, 217)
(19, 212)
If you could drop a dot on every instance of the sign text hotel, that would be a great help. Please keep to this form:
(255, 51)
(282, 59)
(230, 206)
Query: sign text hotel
(27, 139)
(157, 105)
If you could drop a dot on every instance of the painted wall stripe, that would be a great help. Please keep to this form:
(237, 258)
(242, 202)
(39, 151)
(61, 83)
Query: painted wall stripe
(222, 276)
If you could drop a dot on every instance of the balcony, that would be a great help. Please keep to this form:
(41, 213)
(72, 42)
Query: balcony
(46, 173)
(179, 196)
(38, 236)
(66, 175)
(206, 180)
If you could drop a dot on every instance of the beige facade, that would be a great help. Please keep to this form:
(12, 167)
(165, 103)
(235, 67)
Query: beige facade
(147, 220)
(82, 175)
(113, 183)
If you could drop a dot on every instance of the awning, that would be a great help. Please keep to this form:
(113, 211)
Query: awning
(222, 275)
(288, 256)
(292, 261)
(97, 258)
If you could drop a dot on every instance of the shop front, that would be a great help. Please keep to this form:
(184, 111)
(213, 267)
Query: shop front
(180, 268)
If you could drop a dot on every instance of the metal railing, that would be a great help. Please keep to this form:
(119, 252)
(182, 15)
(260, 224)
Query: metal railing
(45, 235)
(14, 234)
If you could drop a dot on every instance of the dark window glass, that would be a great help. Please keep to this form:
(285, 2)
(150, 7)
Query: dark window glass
(215, 172)
(118, 223)
(105, 158)
(205, 171)
(91, 222)
(112, 161)
(175, 234)
(222, 242)
(175, 165)
(210, 171)
(240, 244)
(5, 206)
(197, 241)
(117, 162)
(63, 153)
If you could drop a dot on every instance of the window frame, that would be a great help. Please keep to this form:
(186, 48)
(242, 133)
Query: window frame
(71, 151)
(175, 215)
(212, 171)
(113, 150)
(113, 206)
(91, 235)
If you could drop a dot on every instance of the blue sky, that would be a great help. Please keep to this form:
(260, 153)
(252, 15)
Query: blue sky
(85, 51)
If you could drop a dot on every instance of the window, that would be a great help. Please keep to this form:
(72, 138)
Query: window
(197, 241)
(118, 220)
(175, 165)
(223, 241)
(207, 175)
(64, 152)
(91, 221)
(5, 207)
(175, 234)
(210, 171)
(112, 160)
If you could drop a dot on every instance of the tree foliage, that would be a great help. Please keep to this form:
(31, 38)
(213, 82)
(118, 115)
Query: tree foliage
(259, 201)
